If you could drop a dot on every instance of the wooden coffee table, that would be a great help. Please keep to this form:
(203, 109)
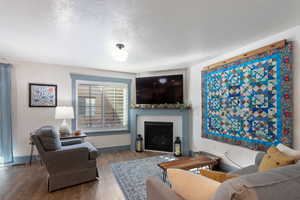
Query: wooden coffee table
(187, 163)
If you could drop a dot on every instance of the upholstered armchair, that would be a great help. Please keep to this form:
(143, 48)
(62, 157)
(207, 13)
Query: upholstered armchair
(67, 163)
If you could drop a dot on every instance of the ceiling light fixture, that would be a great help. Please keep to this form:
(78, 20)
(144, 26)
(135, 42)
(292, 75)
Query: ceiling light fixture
(119, 53)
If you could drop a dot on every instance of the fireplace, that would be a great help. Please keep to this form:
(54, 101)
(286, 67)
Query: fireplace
(158, 136)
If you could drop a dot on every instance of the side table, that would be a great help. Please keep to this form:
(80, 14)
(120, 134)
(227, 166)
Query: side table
(73, 136)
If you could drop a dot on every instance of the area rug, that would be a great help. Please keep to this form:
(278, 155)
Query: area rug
(132, 175)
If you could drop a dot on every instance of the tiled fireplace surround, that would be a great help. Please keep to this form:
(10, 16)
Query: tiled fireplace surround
(179, 118)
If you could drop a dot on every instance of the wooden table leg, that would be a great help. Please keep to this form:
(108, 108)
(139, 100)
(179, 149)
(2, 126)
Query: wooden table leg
(164, 176)
(31, 154)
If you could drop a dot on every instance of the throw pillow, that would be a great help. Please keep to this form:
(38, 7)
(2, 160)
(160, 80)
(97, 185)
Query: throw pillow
(192, 186)
(49, 138)
(275, 158)
(217, 176)
(289, 151)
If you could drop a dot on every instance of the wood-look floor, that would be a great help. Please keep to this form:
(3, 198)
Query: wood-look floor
(30, 183)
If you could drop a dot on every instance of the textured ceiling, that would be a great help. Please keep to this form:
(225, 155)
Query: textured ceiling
(159, 34)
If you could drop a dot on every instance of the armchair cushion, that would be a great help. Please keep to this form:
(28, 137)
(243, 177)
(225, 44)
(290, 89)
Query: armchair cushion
(49, 138)
(93, 152)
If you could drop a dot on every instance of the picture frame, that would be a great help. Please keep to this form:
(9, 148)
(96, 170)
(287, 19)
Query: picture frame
(42, 95)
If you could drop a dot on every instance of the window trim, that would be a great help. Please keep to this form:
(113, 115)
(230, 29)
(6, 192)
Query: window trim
(88, 78)
(78, 82)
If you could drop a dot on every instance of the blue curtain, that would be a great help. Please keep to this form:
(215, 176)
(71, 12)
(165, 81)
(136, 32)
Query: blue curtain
(6, 154)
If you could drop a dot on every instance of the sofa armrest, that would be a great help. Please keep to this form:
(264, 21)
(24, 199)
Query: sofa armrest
(67, 159)
(67, 142)
(156, 189)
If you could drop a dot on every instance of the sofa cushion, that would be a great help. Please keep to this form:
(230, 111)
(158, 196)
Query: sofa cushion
(274, 158)
(289, 151)
(49, 138)
(258, 158)
(245, 170)
(93, 152)
(192, 186)
(216, 175)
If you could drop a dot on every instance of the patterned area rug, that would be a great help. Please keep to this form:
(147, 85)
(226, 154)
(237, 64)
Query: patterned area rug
(131, 175)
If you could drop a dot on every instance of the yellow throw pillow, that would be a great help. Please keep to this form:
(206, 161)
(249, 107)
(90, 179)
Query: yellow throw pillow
(217, 176)
(192, 186)
(275, 158)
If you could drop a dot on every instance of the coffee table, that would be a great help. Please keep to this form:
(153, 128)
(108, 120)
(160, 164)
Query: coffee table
(187, 163)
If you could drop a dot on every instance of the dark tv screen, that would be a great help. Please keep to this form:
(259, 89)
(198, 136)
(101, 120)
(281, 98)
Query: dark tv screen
(159, 89)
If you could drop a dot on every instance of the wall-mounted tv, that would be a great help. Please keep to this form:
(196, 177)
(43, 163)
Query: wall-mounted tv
(159, 89)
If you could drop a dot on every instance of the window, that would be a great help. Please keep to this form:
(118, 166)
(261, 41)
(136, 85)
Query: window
(101, 106)
(87, 106)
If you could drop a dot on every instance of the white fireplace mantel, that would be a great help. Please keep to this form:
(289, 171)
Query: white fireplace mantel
(180, 119)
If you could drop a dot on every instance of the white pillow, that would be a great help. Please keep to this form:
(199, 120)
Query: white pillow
(288, 151)
(192, 186)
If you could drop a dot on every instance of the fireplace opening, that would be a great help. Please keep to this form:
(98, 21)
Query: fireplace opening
(159, 136)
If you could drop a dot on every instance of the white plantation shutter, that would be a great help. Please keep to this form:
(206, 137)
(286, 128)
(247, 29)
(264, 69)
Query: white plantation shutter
(102, 106)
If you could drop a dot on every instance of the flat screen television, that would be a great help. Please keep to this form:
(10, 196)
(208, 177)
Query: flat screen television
(159, 89)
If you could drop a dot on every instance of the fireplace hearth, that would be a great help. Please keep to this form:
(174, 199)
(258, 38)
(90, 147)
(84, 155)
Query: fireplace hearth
(159, 136)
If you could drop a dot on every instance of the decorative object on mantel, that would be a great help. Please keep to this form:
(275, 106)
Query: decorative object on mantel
(161, 106)
(139, 144)
(177, 147)
(42, 95)
(64, 113)
(247, 100)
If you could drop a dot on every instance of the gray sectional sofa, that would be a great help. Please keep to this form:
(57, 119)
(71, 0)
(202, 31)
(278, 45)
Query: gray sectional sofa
(276, 184)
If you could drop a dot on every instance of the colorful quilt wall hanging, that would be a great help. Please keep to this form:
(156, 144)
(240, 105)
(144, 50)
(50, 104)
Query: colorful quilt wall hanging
(249, 102)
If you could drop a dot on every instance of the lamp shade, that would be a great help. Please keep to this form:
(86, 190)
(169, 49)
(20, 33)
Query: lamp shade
(64, 112)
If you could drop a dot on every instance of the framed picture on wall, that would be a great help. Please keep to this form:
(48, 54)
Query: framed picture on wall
(42, 95)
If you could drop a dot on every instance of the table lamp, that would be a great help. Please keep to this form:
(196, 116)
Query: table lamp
(64, 113)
